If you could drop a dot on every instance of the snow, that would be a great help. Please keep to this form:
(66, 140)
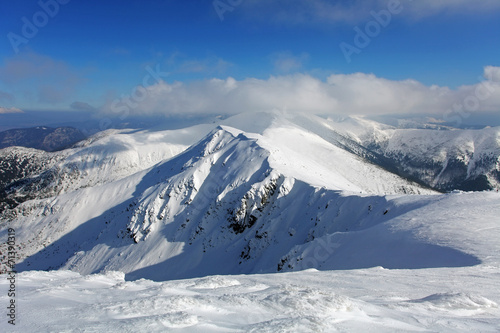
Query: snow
(375, 299)
(440, 158)
(116, 154)
(186, 230)
(189, 211)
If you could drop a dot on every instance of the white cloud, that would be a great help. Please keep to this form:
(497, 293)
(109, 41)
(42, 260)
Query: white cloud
(286, 62)
(306, 12)
(359, 93)
(424, 8)
(367, 94)
(492, 73)
(230, 96)
(356, 11)
(4, 110)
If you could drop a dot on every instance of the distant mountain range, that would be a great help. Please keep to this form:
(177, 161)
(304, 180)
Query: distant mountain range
(259, 192)
(41, 137)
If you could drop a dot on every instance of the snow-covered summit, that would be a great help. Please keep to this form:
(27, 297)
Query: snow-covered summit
(257, 201)
(253, 194)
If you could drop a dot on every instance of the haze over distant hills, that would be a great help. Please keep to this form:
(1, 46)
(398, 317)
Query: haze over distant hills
(41, 137)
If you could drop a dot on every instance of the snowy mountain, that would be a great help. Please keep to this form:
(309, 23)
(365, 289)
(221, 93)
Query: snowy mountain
(253, 194)
(107, 156)
(437, 158)
(252, 197)
(41, 137)
(17, 166)
(230, 181)
(441, 157)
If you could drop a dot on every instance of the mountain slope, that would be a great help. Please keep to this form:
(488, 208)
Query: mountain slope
(42, 137)
(245, 199)
(263, 199)
(28, 174)
(444, 159)
(17, 165)
(261, 193)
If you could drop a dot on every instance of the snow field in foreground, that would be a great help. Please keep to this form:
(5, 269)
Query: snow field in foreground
(252, 197)
(444, 300)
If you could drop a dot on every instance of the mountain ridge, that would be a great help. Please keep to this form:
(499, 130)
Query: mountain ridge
(232, 202)
(41, 137)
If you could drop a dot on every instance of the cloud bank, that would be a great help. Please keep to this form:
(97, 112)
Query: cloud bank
(4, 110)
(350, 94)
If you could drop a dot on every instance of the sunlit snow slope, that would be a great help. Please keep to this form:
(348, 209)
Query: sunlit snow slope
(257, 194)
(443, 158)
(374, 300)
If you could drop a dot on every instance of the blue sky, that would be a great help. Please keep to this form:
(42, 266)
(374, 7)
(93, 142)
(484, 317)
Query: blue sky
(91, 53)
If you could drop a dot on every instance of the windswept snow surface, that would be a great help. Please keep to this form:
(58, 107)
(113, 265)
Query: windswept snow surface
(375, 300)
(356, 247)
